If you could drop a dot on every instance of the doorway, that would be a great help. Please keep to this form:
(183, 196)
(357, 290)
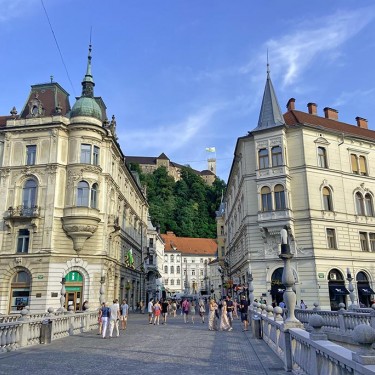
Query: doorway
(277, 287)
(73, 288)
(337, 290)
(365, 293)
(20, 291)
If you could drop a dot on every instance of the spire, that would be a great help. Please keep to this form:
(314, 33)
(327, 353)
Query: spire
(270, 112)
(88, 81)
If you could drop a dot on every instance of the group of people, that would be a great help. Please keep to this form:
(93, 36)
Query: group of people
(223, 322)
(112, 315)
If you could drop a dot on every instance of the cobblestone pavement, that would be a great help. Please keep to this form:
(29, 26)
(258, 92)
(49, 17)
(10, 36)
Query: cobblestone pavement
(175, 348)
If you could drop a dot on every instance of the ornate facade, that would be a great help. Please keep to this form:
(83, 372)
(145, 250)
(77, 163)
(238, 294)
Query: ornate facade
(315, 176)
(71, 209)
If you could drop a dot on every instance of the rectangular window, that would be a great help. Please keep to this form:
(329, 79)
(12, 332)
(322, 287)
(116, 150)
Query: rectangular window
(185, 260)
(95, 157)
(85, 154)
(172, 258)
(23, 241)
(353, 159)
(322, 157)
(184, 272)
(166, 281)
(363, 241)
(263, 158)
(362, 166)
(150, 259)
(192, 272)
(151, 242)
(172, 269)
(331, 239)
(178, 281)
(222, 230)
(372, 242)
(201, 272)
(30, 155)
(178, 269)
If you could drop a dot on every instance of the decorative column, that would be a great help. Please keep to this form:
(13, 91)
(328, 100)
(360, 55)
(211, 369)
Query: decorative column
(351, 290)
(288, 280)
(62, 295)
(251, 287)
(101, 291)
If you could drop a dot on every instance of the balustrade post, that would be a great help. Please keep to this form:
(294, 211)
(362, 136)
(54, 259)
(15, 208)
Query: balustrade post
(316, 306)
(364, 335)
(278, 314)
(340, 314)
(24, 327)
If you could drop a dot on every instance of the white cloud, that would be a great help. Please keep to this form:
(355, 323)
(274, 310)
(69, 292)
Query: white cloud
(168, 138)
(11, 9)
(293, 53)
(348, 96)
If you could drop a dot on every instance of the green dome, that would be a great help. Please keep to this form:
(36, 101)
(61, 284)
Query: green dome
(85, 106)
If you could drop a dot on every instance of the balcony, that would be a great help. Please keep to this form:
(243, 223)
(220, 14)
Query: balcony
(80, 223)
(20, 212)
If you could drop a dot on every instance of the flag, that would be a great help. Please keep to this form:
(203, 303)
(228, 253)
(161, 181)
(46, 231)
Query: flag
(130, 257)
(211, 149)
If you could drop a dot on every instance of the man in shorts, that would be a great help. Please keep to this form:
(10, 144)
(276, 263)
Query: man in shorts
(124, 311)
(244, 305)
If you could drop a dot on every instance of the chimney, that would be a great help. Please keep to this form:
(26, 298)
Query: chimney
(361, 122)
(331, 113)
(290, 104)
(312, 108)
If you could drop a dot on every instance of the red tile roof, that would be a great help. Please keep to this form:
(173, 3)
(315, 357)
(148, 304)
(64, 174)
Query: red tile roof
(188, 245)
(294, 117)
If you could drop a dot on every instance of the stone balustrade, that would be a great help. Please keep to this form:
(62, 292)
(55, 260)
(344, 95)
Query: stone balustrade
(310, 352)
(23, 329)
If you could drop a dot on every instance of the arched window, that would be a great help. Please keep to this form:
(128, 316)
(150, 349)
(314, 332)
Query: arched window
(369, 205)
(322, 157)
(29, 194)
(327, 199)
(263, 158)
(94, 196)
(20, 291)
(277, 156)
(172, 269)
(361, 277)
(165, 269)
(83, 194)
(266, 199)
(359, 204)
(279, 197)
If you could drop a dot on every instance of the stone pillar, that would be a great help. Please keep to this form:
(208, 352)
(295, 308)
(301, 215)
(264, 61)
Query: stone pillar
(351, 290)
(365, 336)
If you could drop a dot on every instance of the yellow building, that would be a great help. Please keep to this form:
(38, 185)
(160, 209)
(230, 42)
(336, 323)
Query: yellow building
(72, 213)
(316, 176)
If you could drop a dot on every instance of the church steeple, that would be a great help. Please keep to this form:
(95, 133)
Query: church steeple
(270, 112)
(88, 81)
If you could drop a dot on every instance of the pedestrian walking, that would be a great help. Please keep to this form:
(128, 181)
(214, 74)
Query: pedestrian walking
(105, 316)
(150, 310)
(100, 320)
(235, 309)
(303, 305)
(244, 305)
(202, 310)
(224, 321)
(164, 310)
(230, 308)
(141, 307)
(157, 312)
(212, 323)
(124, 313)
(114, 318)
(192, 311)
(185, 309)
(174, 308)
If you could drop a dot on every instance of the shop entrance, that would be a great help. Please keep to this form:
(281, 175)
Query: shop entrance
(20, 291)
(73, 288)
(277, 287)
(365, 293)
(337, 290)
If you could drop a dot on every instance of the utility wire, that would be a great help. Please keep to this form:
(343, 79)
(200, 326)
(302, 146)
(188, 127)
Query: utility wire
(58, 47)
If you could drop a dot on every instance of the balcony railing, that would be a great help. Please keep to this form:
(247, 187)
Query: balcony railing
(23, 211)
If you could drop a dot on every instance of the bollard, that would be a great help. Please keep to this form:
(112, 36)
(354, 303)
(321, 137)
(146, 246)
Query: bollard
(46, 331)
(256, 326)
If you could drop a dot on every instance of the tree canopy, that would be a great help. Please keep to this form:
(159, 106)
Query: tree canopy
(186, 207)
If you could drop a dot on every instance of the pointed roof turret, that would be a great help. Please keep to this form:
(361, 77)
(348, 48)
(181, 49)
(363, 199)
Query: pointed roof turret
(87, 105)
(88, 80)
(270, 112)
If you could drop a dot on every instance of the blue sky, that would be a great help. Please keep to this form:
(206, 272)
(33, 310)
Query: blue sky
(183, 75)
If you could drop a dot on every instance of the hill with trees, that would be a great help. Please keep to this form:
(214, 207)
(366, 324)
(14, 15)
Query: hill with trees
(186, 207)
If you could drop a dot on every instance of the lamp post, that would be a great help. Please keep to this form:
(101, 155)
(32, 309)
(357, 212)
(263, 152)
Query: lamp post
(62, 295)
(101, 290)
(250, 286)
(351, 289)
(212, 290)
(288, 281)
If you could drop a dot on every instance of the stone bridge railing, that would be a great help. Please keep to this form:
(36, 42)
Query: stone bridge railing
(311, 353)
(17, 331)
